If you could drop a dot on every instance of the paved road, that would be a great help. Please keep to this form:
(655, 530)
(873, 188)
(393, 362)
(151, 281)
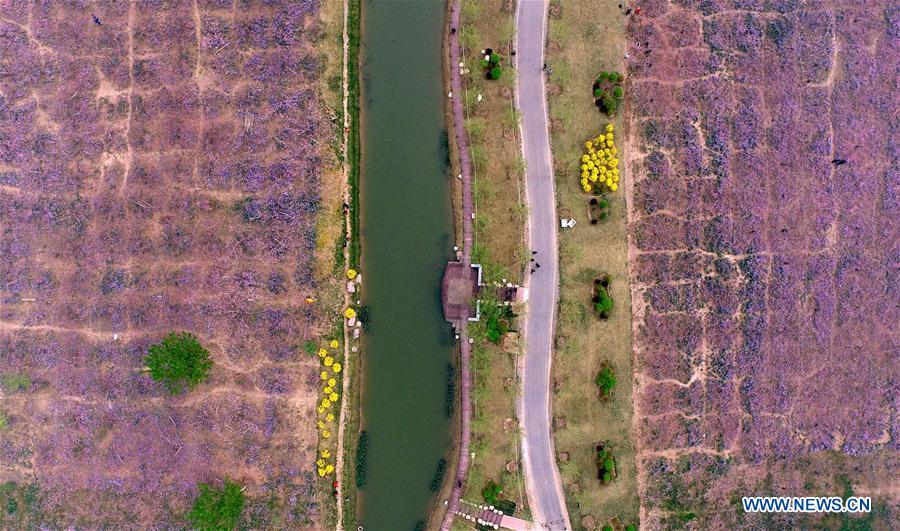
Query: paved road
(541, 475)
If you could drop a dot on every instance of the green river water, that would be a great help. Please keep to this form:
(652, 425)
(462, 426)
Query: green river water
(406, 241)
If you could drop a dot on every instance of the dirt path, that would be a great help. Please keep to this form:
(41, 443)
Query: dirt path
(345, 381)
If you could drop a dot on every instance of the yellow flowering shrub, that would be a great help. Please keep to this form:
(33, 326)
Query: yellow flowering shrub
(600, 164)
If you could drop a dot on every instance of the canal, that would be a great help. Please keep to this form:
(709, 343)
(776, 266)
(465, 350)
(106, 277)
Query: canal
(406, 241)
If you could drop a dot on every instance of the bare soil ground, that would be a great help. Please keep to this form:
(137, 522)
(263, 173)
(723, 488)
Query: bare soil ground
(159, 171)
(763, 243)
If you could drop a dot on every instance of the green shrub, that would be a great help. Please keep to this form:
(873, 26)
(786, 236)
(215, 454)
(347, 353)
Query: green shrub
(609, 104)
(12, 382)
(605, 305)
(620, 77)
(217, 509)
(362, 459)
(450, 396)
(496, 328)
(491, 492)
(177, 361)
(598, 92)
(507, 507)
(606, 465)
(495, 72)
(606, 380)
(495, 59)
(310, 347)
(607, 527)
(617, 92)
(485, 63)
(438, 475)
(630, 527)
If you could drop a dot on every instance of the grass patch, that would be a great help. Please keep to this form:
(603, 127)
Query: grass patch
(217, 509)
(584, 342)
(13, 382)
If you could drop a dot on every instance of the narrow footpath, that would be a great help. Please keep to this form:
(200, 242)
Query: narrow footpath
(462, 143)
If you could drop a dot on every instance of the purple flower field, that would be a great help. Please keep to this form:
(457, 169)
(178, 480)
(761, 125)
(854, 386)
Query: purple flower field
(764, 244)
(159, 166)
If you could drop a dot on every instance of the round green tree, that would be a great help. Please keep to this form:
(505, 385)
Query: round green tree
(178, 361)
(495, 72)
(606, 380)
(217, 509)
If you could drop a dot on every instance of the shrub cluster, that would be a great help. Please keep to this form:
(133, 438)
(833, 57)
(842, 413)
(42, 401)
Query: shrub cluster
(439, 473)
(491, 64)
(607, 90)
(599, 164)
(606, 380)
(362, 460)
(450, 397)
(598, 210)
(603, 303)
(492, 492)
(606, 464)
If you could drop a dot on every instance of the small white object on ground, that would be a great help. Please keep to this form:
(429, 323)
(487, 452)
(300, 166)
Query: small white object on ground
(450, 94)
(351, 322)
(115, 337)
(459, 176)
(480, 97)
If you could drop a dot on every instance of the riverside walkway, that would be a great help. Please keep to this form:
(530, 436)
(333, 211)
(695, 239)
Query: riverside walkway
(462, 143)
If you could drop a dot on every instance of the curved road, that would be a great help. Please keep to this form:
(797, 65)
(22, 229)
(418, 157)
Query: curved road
(541, 475)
